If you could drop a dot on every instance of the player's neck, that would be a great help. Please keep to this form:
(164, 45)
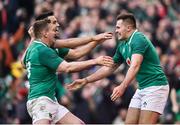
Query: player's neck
(130, 33)
(45, 41)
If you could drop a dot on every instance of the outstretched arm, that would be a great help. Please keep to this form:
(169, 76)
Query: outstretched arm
(72, 42)
(136, 61)
(78, 66)
(99, 74)
(80, 51)
(75, 42)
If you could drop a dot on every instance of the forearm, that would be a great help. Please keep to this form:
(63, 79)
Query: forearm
(100, 74)
(23, 56)
(22, 60)
(131, 73)
(81, 51)
(72, 42)
(78, 66)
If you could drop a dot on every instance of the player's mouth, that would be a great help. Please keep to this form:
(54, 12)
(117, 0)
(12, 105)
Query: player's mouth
(57, 32)
(57, 29)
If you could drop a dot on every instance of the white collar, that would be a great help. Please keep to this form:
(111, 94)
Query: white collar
(132, 36)
(40, 43)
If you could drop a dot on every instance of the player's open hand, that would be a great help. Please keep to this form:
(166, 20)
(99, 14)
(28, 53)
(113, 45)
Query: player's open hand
(117, 92)
(103, 36)
(105, 61)
(76, 84)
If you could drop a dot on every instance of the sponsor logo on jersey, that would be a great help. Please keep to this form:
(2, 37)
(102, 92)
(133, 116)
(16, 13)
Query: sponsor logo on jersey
(128, 61)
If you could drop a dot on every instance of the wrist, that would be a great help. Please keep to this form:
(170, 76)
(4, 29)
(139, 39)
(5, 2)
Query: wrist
(86, 80)
(91, 38)
(95, 61)
(124, 85)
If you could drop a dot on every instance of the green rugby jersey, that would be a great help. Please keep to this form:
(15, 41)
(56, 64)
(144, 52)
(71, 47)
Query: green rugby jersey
(62, 52)
(41, 63)
(150, 72)
(60, 91)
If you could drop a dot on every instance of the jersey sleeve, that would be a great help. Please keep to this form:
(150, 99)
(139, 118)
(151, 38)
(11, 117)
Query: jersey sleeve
(49, 58)
(118, 58)
(139, 44)
(62, 52)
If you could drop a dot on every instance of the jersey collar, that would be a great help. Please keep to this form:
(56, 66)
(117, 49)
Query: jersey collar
(36, 41)
(130, 38)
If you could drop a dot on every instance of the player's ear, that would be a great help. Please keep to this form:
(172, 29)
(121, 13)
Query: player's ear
(129, 28)
(45, 34)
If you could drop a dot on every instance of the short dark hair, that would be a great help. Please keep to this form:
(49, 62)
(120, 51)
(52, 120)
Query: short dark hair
(39, 26)
(127, 17)
(44, 15)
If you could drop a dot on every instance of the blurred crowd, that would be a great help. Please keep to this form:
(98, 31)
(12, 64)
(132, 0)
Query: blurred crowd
(158, 19)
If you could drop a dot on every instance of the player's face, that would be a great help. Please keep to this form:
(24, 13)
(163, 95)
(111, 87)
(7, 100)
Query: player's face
(50, 34)
(53, 29)
(54, 23)
(121, 30)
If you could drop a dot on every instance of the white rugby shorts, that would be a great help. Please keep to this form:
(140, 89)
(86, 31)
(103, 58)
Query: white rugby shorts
(152, 98)
(45, 108)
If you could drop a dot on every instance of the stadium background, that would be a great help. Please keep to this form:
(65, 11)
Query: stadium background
(158, 19)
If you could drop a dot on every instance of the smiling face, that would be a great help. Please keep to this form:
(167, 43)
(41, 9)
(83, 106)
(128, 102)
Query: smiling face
(121, 30)
(54, 23)
(125, 25)
(52, 29)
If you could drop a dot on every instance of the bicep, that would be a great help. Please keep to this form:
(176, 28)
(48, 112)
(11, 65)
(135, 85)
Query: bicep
(136, 59)
(71, 54)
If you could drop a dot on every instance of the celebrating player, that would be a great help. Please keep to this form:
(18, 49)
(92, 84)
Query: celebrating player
(138, 52)
(42, 63)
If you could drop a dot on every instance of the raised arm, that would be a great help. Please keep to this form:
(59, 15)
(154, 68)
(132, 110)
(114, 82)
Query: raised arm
(99, 74)
(30, 32)
(72, 42)
(75, 42)
(80, 51)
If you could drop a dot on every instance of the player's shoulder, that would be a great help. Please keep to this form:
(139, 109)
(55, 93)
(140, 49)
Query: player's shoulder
(42, 50)
(139, 38)
(139, 35)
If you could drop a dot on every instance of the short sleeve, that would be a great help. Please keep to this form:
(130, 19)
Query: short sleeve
(49, 58)
(139, 44)
(62, 52)
(118, 58)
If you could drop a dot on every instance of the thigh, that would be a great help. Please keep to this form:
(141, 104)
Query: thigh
(132, 116)
(148, 117)
(69, 118)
